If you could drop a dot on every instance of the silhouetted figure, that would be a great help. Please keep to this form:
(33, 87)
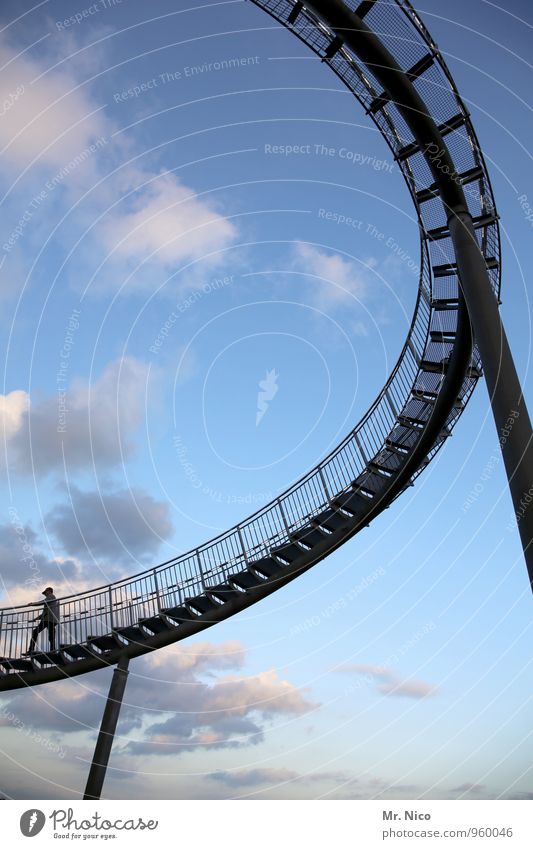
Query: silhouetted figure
(49, 619)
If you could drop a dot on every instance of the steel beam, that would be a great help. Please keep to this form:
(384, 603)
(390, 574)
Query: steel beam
(95, 781)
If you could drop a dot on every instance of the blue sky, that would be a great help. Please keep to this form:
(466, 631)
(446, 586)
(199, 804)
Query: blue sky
(171, 238)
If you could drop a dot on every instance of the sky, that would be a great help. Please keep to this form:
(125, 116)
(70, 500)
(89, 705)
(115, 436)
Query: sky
(167, 257)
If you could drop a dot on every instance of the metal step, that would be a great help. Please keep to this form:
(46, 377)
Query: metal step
(430, 397)
(447, 127)
(309, 535)
(475, 173)
(132, 633)
(412, 422)
(17, 664)
(364, 8)
(413, 73)
(441, 304)
(51, 658)
(464, 179)
(267, 566)
(288, 553)
(105, 642)
(179, 613)
(450, 269)
(295, 11)
(332, 520)
(479, 222)
(401, 449)
(442, 335)
(442, 368)
(380, 469)
(201, 603)
(389, 460)
(372, 481)
(156, 624)
(333, 48)
(245, 580)
(405, 437)
(223, 592)
(77, 651)
(352, 502)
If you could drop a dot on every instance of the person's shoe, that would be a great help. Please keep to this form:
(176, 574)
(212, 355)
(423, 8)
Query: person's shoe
(28, 653)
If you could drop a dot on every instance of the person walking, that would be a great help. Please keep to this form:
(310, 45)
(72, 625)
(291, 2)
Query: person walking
(48, 620)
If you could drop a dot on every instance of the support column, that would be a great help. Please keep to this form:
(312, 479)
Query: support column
(97, 773)
(506, 397)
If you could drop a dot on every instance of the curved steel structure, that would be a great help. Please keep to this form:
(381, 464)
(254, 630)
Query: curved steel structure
(411, 418)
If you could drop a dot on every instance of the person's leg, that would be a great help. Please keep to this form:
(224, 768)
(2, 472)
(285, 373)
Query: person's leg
(34, 634)
(52, 635)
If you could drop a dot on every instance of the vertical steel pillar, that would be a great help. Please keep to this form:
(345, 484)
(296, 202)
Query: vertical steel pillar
(95, 781)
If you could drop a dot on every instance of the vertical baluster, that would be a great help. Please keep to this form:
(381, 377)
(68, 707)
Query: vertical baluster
(283, 516)
(243, 547)
(323, 481)
(198, 560)
(156, 585)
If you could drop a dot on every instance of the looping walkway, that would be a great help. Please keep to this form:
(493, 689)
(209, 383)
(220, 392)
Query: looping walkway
(410, 420)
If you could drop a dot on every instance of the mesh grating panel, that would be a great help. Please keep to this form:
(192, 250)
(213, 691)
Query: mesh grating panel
(444, 320)
(398, 36)
(435, 91)
(445, 288)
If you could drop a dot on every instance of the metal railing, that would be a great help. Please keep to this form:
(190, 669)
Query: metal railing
(98, 611)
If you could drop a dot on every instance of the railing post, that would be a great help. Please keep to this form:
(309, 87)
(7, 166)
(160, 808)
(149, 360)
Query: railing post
(241, 540)
(202, 578)
(324, 484)
(361, 449)
(283, 516)
(391, 404)
(156, 585)
(111, 617)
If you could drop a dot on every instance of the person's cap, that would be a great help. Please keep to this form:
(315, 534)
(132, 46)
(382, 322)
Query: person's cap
(48, 590)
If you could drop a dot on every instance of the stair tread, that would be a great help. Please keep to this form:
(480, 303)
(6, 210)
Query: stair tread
(246, 580)
(267, 566)
(291, 551)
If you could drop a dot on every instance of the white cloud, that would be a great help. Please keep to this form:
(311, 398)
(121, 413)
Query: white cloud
(167, 223)
(51, 119)
(468, 787)
(58, 122)
(388, 682)
(186, 660)
(167, 695)
(118, 526)
(264, 692)
(246, 778)
(228, 714)
(24, 569)
(342, 282)
(95, 428)
(12, 409)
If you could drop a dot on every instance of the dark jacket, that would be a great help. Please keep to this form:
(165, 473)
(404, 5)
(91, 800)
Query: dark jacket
(50, 610)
